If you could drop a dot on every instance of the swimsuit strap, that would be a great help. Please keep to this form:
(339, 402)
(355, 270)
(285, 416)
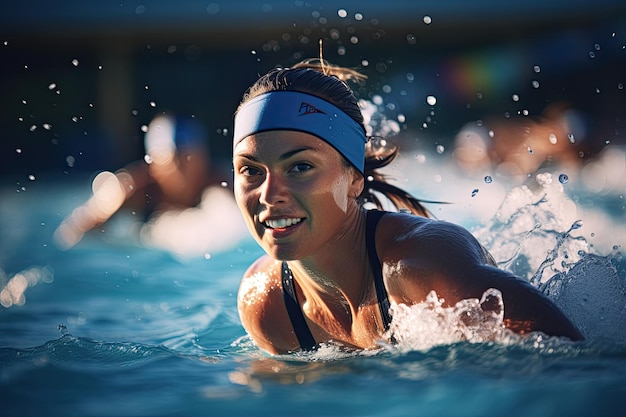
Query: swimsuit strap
(298, 322)
(372, 219)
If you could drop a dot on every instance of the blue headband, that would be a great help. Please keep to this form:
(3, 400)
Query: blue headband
(292, 110)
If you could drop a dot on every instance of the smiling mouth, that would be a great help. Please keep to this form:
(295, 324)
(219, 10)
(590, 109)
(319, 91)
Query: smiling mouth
(281, 223)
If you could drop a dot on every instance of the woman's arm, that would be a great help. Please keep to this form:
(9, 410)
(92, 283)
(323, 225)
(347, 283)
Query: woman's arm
(447, 258)
(526, 308)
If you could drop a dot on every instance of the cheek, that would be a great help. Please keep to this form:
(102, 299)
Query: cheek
(340, 195)
(333, 194)
(243, 199)
(239, 196)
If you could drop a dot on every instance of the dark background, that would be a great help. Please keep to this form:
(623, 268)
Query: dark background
(77, 78)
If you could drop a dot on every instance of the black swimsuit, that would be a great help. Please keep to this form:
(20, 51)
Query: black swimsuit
(303, 333)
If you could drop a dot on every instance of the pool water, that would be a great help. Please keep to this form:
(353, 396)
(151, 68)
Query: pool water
(110, 328)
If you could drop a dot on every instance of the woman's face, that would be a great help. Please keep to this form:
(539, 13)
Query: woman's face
(294, 191)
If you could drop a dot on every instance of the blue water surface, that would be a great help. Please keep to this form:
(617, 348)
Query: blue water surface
(120, 330)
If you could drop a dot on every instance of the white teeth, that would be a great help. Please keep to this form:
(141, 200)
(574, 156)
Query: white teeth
(282, 223)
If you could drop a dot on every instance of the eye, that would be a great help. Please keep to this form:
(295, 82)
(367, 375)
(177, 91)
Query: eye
(249, 171)
(301, 167)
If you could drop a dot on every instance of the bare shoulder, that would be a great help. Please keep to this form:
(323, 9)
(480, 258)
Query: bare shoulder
(259, 285)
(402, 235)
(261, 306)
(420, 255)
(260, 277)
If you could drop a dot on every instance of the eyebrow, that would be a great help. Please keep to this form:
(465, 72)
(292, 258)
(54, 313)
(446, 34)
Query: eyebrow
(289, 154)
(282, 157)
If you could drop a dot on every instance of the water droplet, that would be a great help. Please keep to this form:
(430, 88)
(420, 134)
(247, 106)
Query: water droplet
(152, 104)
(515, 97)
(571, 138)
(488, 179)
(440, 149)
(428, 20)
(576, 225)
(474, 192)
(31, 177)
(563, 179)
(530, 150)
(537, 68)
(75, 62)
(552, 138)
(431, 100)
(148, 159)
(535, 84)
(52, 86)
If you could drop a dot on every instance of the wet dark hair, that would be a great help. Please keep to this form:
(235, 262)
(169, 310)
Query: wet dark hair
(329, 82)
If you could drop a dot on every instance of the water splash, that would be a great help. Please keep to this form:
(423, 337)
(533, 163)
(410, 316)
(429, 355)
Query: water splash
(428, 324)
(535, 231)
(536, 235)
(593, 295)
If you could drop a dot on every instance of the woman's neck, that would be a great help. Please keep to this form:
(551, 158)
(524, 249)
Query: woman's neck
(340, 270)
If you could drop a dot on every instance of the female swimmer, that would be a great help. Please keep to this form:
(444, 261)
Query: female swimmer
(303, 173)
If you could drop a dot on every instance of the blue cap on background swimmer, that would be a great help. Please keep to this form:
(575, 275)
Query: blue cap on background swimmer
(292, 110)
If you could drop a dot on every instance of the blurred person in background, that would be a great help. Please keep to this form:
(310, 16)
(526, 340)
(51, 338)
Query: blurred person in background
(171, 193)
(516, 148)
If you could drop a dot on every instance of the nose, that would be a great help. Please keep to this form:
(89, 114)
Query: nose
(274, 190)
